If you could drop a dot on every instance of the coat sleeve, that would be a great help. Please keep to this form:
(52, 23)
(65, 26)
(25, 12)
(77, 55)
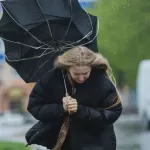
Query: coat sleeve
(38, 106)
(98, 117)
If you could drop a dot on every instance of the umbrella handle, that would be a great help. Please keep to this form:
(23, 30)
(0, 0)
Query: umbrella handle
(67, 96)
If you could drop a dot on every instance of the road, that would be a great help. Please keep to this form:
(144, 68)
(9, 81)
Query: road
(13, 133)
(130, 134)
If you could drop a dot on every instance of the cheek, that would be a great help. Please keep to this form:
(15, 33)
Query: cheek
(87, 76)
(73, 76)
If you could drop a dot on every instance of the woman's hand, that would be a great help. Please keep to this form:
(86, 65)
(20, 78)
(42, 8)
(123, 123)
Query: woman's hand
(72, 106)
(65, 102)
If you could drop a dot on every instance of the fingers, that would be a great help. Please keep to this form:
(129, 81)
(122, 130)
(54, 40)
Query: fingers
(69, 101)
(66, 98)
(65, 102)
(70, 104)
(72, 101)
(72, 107)
(72, 110)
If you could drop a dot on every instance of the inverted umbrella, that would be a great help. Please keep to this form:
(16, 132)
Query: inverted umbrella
(35, 32)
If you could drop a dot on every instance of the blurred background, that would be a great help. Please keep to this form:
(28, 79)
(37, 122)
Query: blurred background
(123, 38)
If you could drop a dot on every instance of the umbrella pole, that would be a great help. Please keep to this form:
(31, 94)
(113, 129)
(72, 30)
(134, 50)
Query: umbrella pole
(67, 94)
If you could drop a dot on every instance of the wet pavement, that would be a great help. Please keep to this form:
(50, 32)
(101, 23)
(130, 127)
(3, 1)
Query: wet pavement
(13, 133)
(130, 134)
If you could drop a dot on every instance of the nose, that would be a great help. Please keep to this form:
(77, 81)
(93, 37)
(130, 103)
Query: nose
(81, 78)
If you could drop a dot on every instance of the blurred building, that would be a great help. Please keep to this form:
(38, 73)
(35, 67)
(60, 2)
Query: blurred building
(14, 91)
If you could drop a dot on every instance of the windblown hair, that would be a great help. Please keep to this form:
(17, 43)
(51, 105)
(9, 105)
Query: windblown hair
(82, 56)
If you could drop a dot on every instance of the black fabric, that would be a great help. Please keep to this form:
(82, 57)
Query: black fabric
(53, 25)
(40, 129)
(89, 124)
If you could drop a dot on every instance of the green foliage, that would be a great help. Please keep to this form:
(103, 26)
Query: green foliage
(12, 146)
(124, 34)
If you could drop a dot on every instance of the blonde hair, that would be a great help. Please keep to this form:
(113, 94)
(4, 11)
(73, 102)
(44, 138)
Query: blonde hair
(82, 56)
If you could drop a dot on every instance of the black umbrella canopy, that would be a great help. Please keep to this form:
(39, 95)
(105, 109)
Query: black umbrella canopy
(35, 32)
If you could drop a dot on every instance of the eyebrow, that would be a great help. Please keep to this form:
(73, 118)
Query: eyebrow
(79, 73)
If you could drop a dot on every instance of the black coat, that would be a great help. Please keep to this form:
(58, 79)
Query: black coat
(91, 127)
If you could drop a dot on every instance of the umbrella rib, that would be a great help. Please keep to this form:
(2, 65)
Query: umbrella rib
(22, 26)
(47, 44)
(65, 41)
(68, 27)
(49, 28)
(70, 18)
(85, 37)
(67, 47)
(30, 58)
(45, 52)
(46, 61)
(89, 19)
(30, 46)
(86, 42)
(67, 44)
(94, 36)
(43, 65)
(88, 34)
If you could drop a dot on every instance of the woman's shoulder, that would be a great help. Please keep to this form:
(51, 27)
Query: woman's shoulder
(49, 78)
(102, 78)
(47, 81)
(51, 75)
(98, 73)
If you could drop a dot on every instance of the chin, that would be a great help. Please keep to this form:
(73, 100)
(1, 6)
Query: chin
(80, 82)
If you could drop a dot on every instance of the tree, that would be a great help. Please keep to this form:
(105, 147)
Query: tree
(124, 34)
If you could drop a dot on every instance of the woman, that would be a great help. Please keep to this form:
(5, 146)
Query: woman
(92, 103)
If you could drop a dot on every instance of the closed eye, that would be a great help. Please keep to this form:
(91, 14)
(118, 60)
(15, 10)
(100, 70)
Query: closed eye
(85, 73)
(76, 74)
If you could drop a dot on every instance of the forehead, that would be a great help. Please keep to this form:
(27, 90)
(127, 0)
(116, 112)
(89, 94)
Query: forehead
(80, 69)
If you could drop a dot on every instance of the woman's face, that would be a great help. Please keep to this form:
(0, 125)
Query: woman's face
(80, 73)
